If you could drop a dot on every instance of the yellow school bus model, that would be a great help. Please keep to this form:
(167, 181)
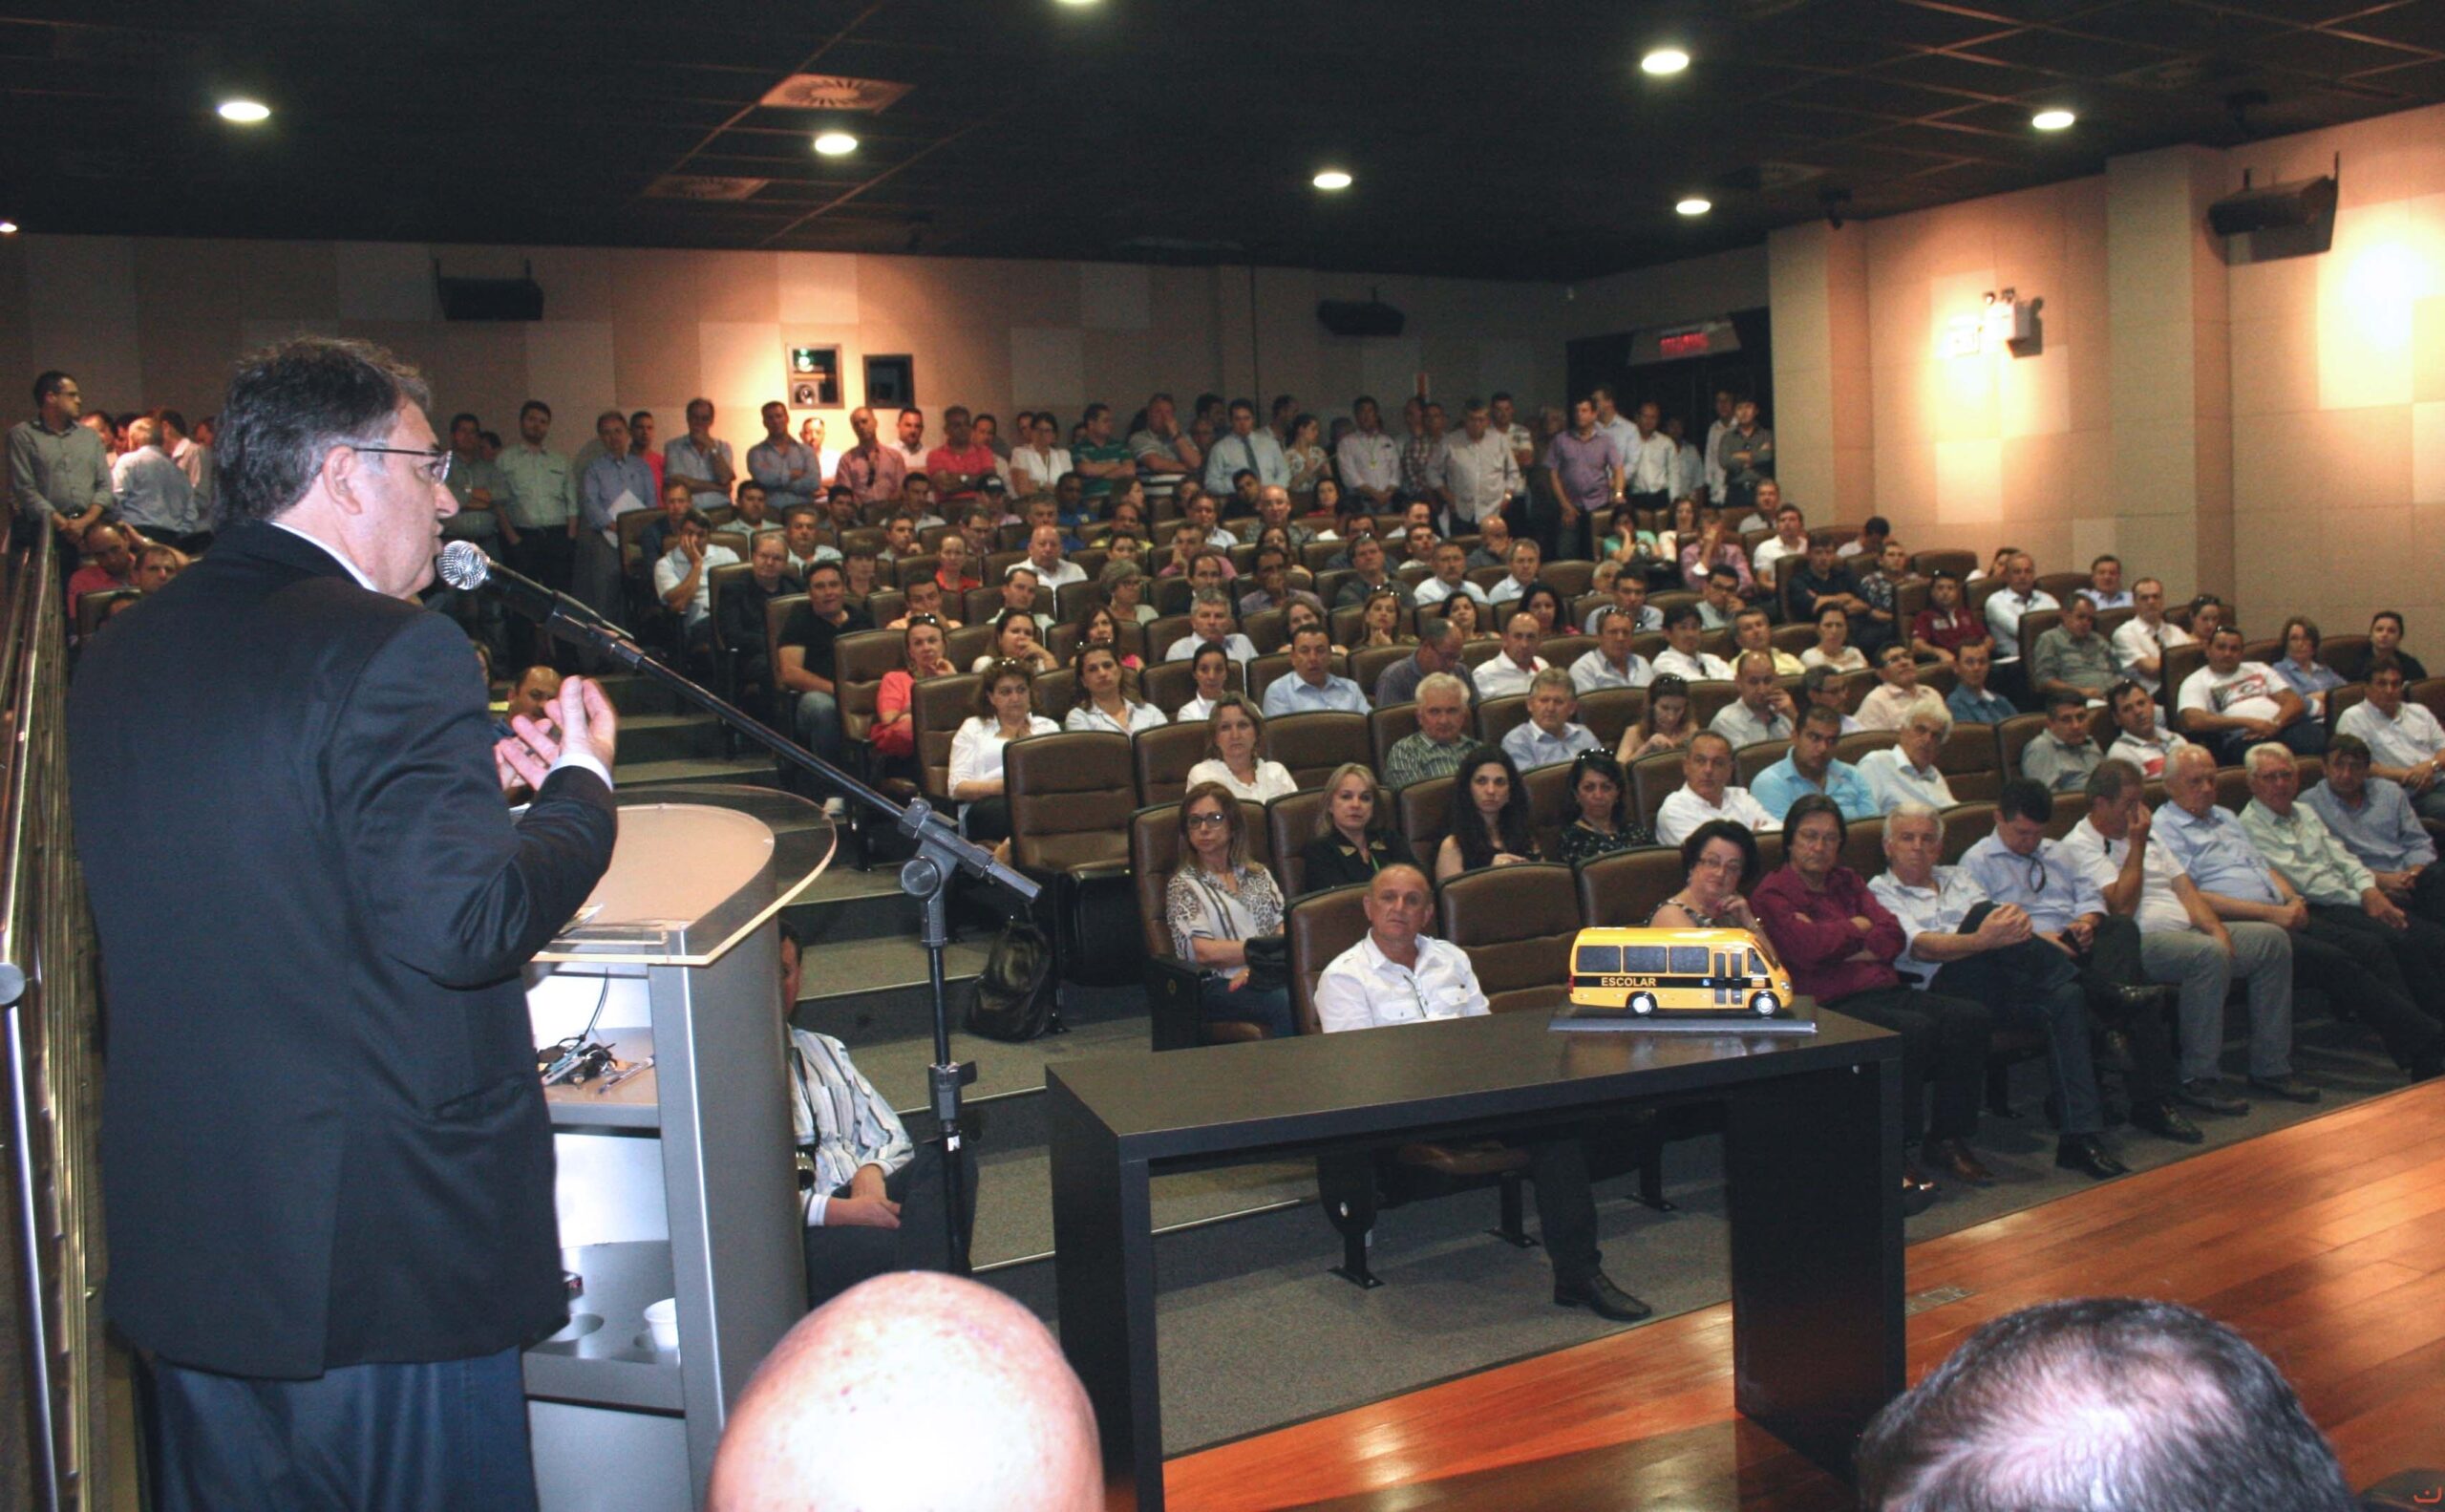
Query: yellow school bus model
(1650, 971)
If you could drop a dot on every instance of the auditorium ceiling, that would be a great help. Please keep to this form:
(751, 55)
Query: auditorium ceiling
(1517, 139)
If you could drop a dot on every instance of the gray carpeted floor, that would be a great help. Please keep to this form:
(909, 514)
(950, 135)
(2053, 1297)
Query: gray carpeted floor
(1255, 1335)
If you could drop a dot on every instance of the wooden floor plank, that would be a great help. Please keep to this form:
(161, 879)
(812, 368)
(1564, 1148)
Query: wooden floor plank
(2324, 1243)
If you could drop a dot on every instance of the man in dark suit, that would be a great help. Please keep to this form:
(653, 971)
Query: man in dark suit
(326, 1158)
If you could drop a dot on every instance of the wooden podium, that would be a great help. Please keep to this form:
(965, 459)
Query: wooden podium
(679, 1183)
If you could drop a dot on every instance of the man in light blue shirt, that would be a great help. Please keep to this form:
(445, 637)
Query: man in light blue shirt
(1311, 686)
(1247, 449)
(788, 468)
(703, 463)
(153, 495)
(615, 483)
(1970, 701)
(2373, 818)
(1811, 768)
(1549, 737)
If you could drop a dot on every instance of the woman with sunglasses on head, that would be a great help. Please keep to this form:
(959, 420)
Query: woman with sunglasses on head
(1215, 903)
(1014, 641)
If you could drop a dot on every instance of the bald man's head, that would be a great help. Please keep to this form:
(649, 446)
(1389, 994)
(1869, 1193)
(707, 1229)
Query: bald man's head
(856, 1406)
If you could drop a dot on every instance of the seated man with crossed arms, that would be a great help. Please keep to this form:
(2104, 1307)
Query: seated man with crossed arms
(1398, 976)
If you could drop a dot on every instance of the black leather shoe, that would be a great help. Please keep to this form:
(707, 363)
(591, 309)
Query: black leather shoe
(2289, 1087)
(1953, 1158)
(2124, 1003)
(2087, 1154)
(2165, 1122)
(2208, 1097)
(1599, 1295)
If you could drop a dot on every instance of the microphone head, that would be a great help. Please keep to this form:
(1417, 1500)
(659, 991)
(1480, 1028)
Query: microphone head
(464, 567)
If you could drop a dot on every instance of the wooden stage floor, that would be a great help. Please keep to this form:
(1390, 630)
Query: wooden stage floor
(2323, 1243)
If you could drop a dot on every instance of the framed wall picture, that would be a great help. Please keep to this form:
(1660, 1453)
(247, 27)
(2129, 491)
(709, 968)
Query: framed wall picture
(891, 381)
(814, 377)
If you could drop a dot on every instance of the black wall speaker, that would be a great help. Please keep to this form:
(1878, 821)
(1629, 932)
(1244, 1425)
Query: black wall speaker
(1353, 317)
(491, 298)
(2273, 207)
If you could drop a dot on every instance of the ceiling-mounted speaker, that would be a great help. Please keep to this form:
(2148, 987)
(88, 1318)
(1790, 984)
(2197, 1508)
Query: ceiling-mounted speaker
(2274, 208)
(489, 298)
(1360, 317)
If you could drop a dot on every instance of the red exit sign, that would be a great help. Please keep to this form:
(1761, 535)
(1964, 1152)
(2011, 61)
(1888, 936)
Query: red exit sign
(1685, 344)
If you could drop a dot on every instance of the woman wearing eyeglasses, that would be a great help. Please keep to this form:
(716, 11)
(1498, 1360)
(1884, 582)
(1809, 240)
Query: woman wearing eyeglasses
(1005, 712)
(1215, 903)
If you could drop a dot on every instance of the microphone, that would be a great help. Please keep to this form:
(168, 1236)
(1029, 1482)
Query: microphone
(463, 565)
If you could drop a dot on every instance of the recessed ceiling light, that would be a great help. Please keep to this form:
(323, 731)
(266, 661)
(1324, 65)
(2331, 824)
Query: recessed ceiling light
(1695, 204)
(836, 143)
(1664, 61)
(8, 227)
(1332, 178)
(245, 112)
(2055, 120)
(1079, 2)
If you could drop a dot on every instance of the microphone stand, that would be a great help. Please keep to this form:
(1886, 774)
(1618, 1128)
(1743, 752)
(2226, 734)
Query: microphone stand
(942, 852)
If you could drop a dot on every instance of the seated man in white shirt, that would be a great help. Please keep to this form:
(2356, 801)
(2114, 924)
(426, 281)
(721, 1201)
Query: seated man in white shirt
(1312, 685)
(1789, 541)
(1527, 562)
(1397, 975)
(1450, 576)
(684, 578)
(1681, 657)
(2230, 704)
(1907, 772)
(2142, 737)
(2006, 608)
(1706, 773)
(1550, 737)
(1611, 663)
(2141, 640)
(1209, 624)
(1044, 555)
(1764, 710)
(1897, 690)
(1508, 675)
(2405, 742)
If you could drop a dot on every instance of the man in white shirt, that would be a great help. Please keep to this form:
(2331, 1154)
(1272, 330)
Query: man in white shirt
(1706, 794)
(2141, 640)
(1527, 559)
(911, 432)
(1895, 692)
(1209, 623)
(1725, 400)
(2183, 942)
(1907, 772)
(1501, 420)
(1611, 663)
(684, 578)
(1682, 657)
(152, 493)
(1478, 469)
(2006, 608)
(1450, 576)
(1510, 673)
(1397, 975)
(2230, 704)
(2105, 588)
(1312, 685)
(2142, 737)
(1789, 541)
(1370, 463)
(1550, 737)
(1648, 461)
(1764, 710)
(2405, 742)
(1051, 569)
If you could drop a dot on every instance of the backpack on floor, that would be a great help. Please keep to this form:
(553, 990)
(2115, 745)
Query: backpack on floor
(1015, 993)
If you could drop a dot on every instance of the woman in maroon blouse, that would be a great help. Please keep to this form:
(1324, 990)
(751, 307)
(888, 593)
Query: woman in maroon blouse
(1840, 944)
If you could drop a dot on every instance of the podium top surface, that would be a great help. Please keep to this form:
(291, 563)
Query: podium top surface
(695, 869)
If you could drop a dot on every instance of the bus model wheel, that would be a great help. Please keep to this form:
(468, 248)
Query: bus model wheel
(1765, 1005)
(1642, 1003)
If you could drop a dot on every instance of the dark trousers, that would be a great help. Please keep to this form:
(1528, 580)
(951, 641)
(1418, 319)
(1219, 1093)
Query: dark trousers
(1944, 1043)
(840, 1255)
(367, 1437)
(1269, 1006)
(1565, 1205)
(2114, 961)
(2360, 965)
(988, 820)
(2034, 983)
(2302, 736)
(1660, 500)
(547, 555)
(2428, 895)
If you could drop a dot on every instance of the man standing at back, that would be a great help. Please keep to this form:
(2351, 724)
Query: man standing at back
(325, 1153)
(59, 469)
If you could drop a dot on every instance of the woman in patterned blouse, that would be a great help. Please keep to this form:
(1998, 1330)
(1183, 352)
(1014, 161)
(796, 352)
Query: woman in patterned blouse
(1215, 903)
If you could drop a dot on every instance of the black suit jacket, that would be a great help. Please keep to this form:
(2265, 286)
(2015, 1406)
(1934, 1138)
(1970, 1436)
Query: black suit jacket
(324, 1143)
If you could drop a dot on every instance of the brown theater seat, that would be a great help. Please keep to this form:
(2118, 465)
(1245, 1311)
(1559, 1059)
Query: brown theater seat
(2232, 789)
(2034, 623)
(1320, 927)
(962, 646)
(1388, 727)
(1851, 747)
(1368, 664)
(1569, 578)
(1621, 890)
(1163, 756)
(1653, 778)
(777, 618)
(1608, 712)
(1972, 763)
(2347, 654)
(1311, 745)
(1497, 717)
(1965, 824)
(1423, 810)
(1709, 697)
(1561, 650)
(1056, 693)
(2338, 699)
(1071, 797)
(2012, 736)
(1516, 923)
(1550, 805)
(940, 707)
(1960, 564)
(1168, 685)
(1749, 760)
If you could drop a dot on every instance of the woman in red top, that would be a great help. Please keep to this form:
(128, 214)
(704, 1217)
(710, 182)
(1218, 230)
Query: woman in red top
(1941, 627)
(894, 732)
(1840, 944)
(952, 567)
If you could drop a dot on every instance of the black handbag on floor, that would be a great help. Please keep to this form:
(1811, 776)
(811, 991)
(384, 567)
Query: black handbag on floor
(1014, 997)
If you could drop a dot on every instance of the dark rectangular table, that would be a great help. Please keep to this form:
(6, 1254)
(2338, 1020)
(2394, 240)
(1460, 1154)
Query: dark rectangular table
(1812, 1161)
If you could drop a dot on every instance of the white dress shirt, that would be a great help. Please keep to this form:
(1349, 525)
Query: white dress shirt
(672, 570)
(1034, 472)
(1592, 671)
(1530, 747)
(1242, 649)
(1502, 677)
(1273, 779)
(1060, 575)
(977, 751)
(1738, 724)
(2004, 611)
(1703, 667)
(1649, 464)
(2407, 739)
(2134, 638)
(1478, 475)
(2100, 860)
(1684, 811)
(1086, 716)
(1435, 590)
(1362, 990)
(1368, 459)
(1895, 781)
(1937, 909)
(1295, 694)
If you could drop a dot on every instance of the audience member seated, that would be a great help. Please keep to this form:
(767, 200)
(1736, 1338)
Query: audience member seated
(1895, 692)
(2374, 819)
(2340, 950)
(1881, 580)
(1438, 654)
(1379, 620)
(1353, 839)
(1840, 943)
(1681, 657)
(2300, 668)
(1543, 603)
(1209, 620)
(742, 608)
(1810, 767)
(2006, 606)
(1665, 726)
(1370, 576)
(1311, 684)
(1490, 821)
(1961, 943)
(2105, 585)
(1217, 902)
(1764, 710)
(1833, 648)
(1611, 662)
(1211, 669)
(1235, 733)
(2072, 657)
(1823, 581)
(801, 538)
(155, 567)
(1451, 577)
(1103, 703)
(1970, 701)
(1906, 771)
(1788, 544)
(1527, 559)
(684, 580)
(2385, 639)
(1549, 737)
(2405, 744)
(1944, 625)
(1753, 631)
(1630, 598)
(1508, 675)
(533, 695)
(2097, 1403)
(925, 596)
(2230, 704)
(872, 1201)
(1273, 589)
(1019, 596)
(1100, 627)
(1005, 712)
(2142, 735)
(1015, 640)
(952, 573)
(1706, 794)
(2062, 754)
(1718, 858)
(1436, 748)
(1124, 590)
(806, 643)
(1398, 976)
(109, 564)
(1722, 602)
(2141, 640)
(1601, 824)
(893, 733)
